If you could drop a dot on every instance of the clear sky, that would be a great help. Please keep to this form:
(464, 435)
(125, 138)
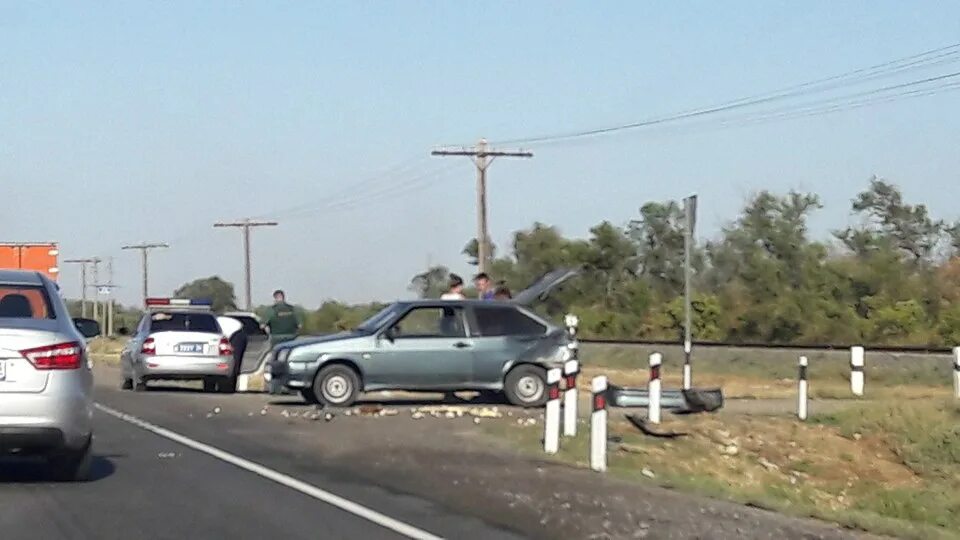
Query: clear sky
(123, 122)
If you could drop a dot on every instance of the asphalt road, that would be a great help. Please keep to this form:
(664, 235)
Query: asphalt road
(149, 485)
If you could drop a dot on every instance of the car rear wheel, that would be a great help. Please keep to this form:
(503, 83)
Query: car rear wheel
(337, 386)
(139, 386)
(127, 384)
(72, 465)
(526, 386)
(227, 385)
(209, 384)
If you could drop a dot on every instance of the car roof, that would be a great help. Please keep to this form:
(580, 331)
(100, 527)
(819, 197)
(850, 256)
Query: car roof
(20, 277)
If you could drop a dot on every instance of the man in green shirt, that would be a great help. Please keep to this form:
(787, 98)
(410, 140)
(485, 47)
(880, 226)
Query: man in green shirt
(283, 322)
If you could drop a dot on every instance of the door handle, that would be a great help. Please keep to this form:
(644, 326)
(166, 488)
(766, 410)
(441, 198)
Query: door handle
(461, 345)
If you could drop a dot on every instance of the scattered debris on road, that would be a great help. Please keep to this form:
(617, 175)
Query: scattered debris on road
(641, 424)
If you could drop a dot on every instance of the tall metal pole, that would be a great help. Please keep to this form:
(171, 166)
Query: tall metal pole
(246, 225)
(83, 282)
(690, 209)
(483, 241)
(144, 248)
(247, 280)
(96, 288)
(482, 158)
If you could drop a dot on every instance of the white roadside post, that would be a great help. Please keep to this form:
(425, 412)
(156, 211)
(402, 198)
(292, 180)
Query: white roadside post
(956, 372)
(802, 390)
(653, 410)
(857, 355)
(551, 424)
(571, 368)
(598, 425)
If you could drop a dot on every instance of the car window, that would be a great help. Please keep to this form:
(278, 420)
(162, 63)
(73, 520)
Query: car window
(250, 325)
(183, 322)
(25, 302)
(431, 322)
(505, 321)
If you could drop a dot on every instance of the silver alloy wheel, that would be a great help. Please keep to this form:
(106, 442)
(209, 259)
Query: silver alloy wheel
(530, 388)
(336, 388)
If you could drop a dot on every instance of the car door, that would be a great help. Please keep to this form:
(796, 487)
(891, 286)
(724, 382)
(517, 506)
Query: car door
(426, 348)
(501, 334)
(131, 351)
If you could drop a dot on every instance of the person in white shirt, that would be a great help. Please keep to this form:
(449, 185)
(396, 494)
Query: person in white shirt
(233, 331)
(455, 291)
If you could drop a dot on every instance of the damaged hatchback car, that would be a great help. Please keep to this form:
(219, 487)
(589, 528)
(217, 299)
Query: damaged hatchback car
(432, 346)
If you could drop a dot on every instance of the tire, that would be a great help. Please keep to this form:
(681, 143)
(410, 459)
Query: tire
(227, 385)
(127, 384)
(308, 396)
(140, 386)
(336, 386)
(209, 384)
(72, 465)
(526, 386)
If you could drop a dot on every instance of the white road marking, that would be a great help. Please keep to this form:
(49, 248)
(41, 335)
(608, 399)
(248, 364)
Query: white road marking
(335, 500)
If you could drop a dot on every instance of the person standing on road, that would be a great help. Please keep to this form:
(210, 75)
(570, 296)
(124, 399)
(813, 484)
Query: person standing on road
(282, 320)
(484, 286)
(455, 290)
(502, 293)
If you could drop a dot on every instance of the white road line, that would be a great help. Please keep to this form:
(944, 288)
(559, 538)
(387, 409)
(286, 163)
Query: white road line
(335, 500)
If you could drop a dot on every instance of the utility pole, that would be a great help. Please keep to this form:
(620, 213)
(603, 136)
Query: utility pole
(690, 213)
(482, 158)
(83, 282)
(96, 290)
(107, 289)
(246, 225)
(144, 249)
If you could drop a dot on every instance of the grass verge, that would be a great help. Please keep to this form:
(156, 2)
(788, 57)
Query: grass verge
(891, 469)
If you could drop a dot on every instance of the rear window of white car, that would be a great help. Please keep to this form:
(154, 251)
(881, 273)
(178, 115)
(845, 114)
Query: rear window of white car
(25, 302)
(183, 322)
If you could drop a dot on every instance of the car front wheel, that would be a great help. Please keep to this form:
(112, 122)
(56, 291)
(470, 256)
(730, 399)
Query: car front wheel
(526, 386)
(337, 386)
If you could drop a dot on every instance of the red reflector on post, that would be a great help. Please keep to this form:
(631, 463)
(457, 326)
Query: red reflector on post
(554, 392)
(571, 381)
(61, 356)
(654, 372)
(599, 402)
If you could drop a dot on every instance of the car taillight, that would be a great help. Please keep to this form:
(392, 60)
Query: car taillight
(61, 356)
(149, 346)
(226, 349)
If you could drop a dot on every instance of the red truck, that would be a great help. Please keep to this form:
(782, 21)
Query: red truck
(39, 256)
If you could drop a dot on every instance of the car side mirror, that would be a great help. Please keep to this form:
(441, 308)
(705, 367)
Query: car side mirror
(391, 334)
(88, 328)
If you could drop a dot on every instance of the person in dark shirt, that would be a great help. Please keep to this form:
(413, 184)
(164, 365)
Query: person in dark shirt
(484, 286)
(502, 292)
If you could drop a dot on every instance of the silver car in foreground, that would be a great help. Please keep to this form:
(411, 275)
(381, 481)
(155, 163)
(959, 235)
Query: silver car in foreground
(46, 381)
(179, 340)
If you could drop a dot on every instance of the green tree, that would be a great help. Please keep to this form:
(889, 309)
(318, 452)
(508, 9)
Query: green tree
(214, 288)
(431, 283)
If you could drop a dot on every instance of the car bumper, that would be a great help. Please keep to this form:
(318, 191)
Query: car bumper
(44, 422)
(294, 375)
(160, 367)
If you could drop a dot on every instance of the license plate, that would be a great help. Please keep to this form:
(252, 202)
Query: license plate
(3, 370)
(189, 348)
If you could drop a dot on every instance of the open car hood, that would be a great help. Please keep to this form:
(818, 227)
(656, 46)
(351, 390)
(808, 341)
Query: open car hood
(541, 287)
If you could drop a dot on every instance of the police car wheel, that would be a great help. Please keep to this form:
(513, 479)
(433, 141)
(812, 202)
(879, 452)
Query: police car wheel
(526, 386)
(337, 386)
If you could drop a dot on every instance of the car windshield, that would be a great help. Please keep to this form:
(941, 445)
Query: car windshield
(184, 322)
(24, 302)
(375, 322)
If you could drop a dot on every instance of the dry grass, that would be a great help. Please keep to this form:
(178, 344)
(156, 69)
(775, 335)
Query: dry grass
(891, 469)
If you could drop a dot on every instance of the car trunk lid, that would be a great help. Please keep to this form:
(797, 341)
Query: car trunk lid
(17, 374)
(542, 287)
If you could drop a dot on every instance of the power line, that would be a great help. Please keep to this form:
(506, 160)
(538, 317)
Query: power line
(926, 59)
